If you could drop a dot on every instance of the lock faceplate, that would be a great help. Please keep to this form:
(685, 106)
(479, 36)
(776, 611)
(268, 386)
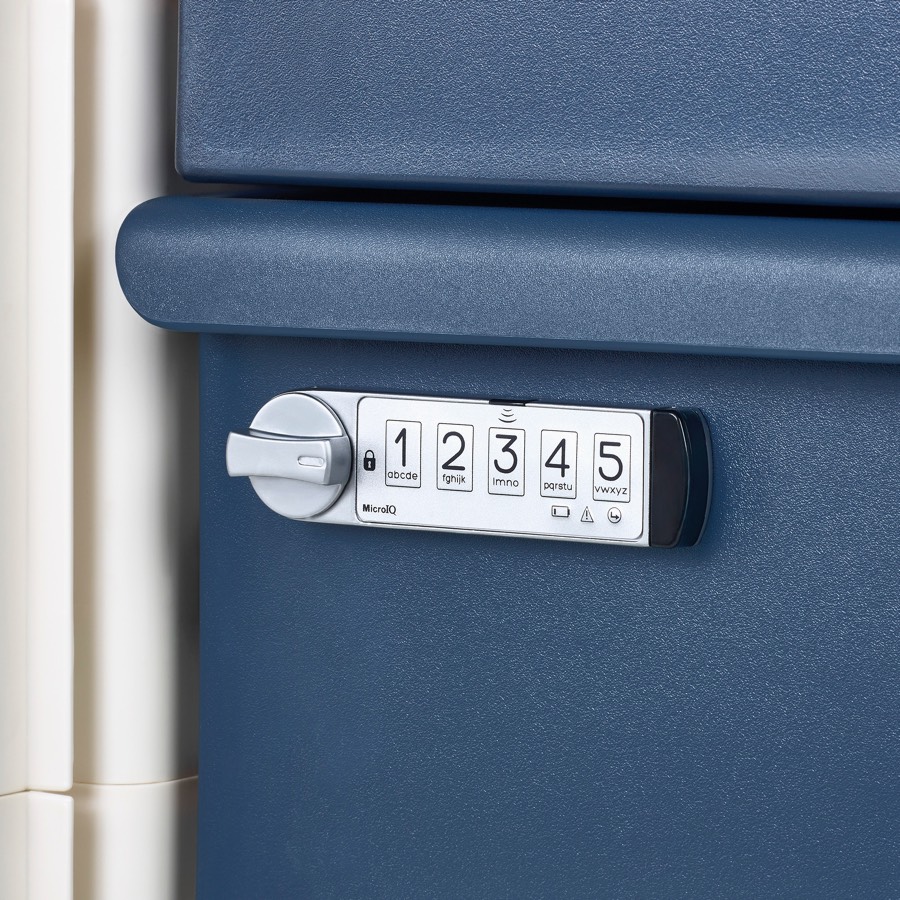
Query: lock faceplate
(603, 475)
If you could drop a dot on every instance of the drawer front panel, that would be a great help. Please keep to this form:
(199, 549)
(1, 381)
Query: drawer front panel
(392, 713)
(700, 99)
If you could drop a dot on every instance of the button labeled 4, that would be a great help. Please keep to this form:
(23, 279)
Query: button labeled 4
(559, 463)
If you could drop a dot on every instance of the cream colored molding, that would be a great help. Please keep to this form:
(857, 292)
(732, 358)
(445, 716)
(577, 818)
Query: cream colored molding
(135, 841)
(36, 841)
(50, 392)
(13, 390)
(36, 378)
(135, 430)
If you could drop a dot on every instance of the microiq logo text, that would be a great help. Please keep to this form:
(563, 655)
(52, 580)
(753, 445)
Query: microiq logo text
(380, 510)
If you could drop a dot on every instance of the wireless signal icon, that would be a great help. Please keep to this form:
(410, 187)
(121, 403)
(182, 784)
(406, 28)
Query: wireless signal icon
(507, 416)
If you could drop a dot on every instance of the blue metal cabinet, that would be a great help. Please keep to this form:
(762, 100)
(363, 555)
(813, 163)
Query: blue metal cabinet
(410, 714)
(636, 97)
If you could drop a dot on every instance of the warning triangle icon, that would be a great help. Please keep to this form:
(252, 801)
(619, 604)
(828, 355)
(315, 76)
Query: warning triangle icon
(586, 516)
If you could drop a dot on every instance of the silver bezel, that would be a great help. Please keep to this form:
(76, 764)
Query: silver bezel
(346, 405)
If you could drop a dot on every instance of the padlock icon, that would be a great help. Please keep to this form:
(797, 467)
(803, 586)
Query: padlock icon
(369, 461)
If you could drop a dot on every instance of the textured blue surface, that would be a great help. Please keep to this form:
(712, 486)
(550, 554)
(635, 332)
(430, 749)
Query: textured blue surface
(649, 281)
(408, 715)
(708, 97)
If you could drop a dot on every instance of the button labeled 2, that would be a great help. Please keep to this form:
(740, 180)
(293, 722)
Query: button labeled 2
(403, 454)
(455, 445)
(612, 467)
(506, 461)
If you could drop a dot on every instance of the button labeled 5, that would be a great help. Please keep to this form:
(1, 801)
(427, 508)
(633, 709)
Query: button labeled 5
(455, 445)
(612, 467)
(506, 461)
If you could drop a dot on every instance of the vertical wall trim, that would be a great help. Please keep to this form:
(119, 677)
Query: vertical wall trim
(13, 390)
(49, 393)
(36, 846)
(135, 429)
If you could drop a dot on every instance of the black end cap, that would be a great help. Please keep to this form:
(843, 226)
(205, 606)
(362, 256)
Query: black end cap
(680, 477)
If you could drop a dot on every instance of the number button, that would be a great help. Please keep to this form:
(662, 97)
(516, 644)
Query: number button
(403, 454)
(506, 462)
(559, 457)
(454, 457)
(612, 467)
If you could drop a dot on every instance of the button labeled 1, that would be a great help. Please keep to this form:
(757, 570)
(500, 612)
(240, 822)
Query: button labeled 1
(403, 454)
(612, 467)
(454, 457)
(506, 462)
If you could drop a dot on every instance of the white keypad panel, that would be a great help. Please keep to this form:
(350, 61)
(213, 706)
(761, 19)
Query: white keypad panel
(541, 470)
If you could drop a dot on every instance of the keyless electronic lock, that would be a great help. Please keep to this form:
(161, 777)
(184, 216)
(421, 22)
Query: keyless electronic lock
(621, 476)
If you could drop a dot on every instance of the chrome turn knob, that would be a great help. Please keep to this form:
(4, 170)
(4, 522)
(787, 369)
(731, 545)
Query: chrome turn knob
(296, 454)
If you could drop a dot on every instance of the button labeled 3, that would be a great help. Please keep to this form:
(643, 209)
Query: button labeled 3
(506, 465)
